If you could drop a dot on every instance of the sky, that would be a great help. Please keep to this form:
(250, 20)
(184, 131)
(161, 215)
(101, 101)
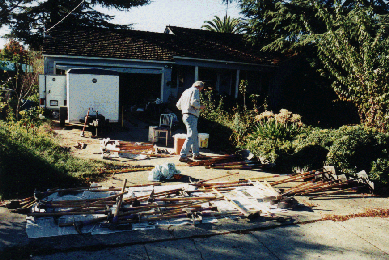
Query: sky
(155, 16)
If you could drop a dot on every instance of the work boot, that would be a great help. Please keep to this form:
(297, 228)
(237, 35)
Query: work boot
(199, 157)
(184, 159)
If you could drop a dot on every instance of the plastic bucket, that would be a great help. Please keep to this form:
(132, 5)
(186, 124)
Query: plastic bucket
(179, 140)
(203, 140)
(152, 138)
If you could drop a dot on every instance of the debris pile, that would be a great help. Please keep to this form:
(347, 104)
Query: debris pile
(99, 210)
(71, 211)
(319, 183)
(133, 150)
(227, 162)
(127, 168)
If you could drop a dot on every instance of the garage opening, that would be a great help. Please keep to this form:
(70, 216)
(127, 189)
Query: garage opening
(138, 89)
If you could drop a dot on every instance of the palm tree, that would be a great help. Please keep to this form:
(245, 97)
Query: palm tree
(227, 25)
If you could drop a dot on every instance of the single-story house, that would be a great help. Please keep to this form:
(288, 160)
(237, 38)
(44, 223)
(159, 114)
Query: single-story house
(160, 65)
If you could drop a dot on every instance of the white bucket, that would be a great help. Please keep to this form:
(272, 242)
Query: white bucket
(203, 140)
(152, 138)
(179, 140)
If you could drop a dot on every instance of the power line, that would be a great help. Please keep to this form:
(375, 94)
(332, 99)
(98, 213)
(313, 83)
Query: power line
(66, 16)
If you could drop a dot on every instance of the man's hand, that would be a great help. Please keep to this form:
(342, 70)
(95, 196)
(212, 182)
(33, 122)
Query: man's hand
(202, 107)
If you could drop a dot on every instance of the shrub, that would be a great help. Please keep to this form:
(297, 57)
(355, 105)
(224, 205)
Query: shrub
(273, 134)
(216, 122)
(356, 148)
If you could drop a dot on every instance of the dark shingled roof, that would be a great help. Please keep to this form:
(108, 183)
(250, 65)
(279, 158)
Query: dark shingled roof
(131, 44)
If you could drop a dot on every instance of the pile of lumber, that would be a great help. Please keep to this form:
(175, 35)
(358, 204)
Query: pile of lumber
(154, 203)
(124, 148)
(127, 168)
(227, 162)
(319, 183)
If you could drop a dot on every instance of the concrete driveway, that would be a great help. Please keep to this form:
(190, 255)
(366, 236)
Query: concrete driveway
(300, 233)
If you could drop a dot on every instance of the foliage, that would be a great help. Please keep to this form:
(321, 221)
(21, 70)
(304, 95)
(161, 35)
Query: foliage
(31, 19)
(243, 90)
(354, 51)
(24, 83)
(242, 124)
(273, 133)
(215, 121)
(13, 51)
(227, 25)
(350, 38)
(30, 119)
(358, 148)
(350, 149)
(283, 24)
(213, 103)
(29, 161)
(8, 7)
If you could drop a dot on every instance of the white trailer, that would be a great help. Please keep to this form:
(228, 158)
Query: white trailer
(80, 90)
(94, 89)
(52, 91)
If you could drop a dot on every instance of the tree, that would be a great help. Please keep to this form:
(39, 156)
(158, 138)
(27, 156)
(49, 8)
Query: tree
(346, 39)
(13, 51)
(24, 81)
(227, 25)
(7, 7)
(355, 50)
(31, 20)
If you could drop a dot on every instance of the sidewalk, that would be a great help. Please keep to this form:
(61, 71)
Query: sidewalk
(358, 238)
(365, 238)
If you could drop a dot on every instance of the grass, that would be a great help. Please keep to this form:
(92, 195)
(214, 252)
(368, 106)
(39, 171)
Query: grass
(35, 160)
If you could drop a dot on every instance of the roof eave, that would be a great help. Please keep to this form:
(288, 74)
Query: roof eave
(103, 58)
(224, 61)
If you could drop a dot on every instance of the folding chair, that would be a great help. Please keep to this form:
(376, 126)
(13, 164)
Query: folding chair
(165, 126)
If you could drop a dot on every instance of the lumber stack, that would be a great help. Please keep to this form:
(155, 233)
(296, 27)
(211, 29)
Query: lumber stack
(128, 149)
(319, 183)
(227, 162)
(131, 205)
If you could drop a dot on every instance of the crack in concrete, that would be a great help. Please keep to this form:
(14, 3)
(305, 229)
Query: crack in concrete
(340, 224)
(271, 252)
(147, 253)
(194, 243)
(171, 232)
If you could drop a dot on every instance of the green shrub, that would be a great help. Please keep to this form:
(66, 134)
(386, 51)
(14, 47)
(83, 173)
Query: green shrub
(284, 141)
(273, 134)
(215, 121)
(356, 148)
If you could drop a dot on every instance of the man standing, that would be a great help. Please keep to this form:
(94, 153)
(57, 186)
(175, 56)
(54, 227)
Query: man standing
(190, 105)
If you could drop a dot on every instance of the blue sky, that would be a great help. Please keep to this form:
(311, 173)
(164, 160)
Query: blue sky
(159, 13)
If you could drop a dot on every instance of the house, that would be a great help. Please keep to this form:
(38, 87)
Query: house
(160, 65)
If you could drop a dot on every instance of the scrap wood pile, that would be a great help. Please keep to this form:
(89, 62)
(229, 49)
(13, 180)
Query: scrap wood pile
(135, 150)
(227, 162)
(325, 182)
(127, 168)
(132, 206)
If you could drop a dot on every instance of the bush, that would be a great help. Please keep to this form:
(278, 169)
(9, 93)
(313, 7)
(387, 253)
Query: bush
(350, 149)
(284, 141)
(357, 148)
(273, 134)
(216, 122)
